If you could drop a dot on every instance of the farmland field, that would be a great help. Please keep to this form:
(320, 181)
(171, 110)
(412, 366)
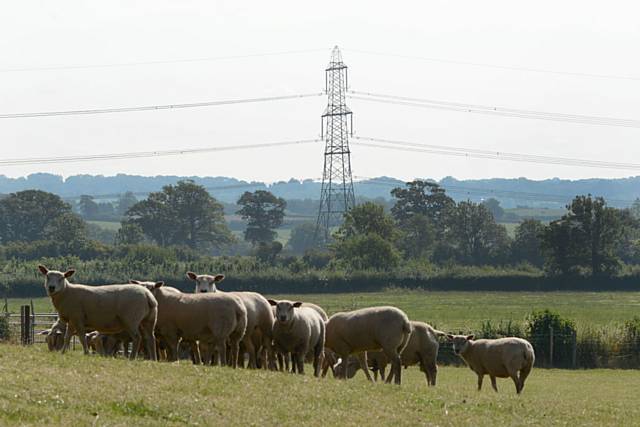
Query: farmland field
(41, 388)
(466, 310)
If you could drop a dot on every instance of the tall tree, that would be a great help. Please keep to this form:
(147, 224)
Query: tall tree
(494, 207)
(181, 214)
(88, 208)
(264, 213)
(586, 236)
(125, 201)
(303, 238)
(422, 198)
(28, 215)
(526, 247)
(367, 218)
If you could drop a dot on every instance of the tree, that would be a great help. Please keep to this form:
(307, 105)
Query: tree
(526, 247)
(422, 198)
(587, 236)
(88, 208)
(303, 238)
(28, 215)
(125, 202)
(475, 236)
(129, 234)
(367, 218)
(418, 237)
(494, 207)
(264, 212)
(368, 251)
(181, 214)
(68, 231)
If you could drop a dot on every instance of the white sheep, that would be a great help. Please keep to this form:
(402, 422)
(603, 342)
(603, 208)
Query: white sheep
(54, 336)
(106, 309)
(258, 337)
(214, 319)
(299, 330)
(421, 350)
(499, 358)
(375, 328)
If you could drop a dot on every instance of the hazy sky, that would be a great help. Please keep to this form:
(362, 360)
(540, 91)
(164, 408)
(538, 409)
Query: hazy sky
(577, 36)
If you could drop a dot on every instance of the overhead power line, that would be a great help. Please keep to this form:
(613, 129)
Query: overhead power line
(157, 107)
(156, 62)
(493, 110)
(487, 154)
(144, 154)
(499, 67)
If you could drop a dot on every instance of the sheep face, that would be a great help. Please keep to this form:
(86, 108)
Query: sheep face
(460, 342)
(205, 282)
(55, 281)
(284, 310)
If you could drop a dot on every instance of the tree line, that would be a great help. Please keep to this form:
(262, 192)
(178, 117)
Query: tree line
(422, 226)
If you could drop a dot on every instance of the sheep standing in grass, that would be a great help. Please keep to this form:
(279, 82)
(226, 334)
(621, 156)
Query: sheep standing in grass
(214, 319)
(107, 309)
(258, 337)
(299, 330)
(421, 350)
(375, 328)
(499, 358)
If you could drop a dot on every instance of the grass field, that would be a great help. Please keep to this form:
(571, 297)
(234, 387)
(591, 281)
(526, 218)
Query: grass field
(107, 225)
(42, 388)
(467, 310)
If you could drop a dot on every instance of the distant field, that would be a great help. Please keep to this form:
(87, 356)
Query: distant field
(109, 225)
(42, 388)
(537, 212)
(467, 310)
(511, 228)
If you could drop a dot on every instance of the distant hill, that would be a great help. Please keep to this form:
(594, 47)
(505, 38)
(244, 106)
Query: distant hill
(511, 192)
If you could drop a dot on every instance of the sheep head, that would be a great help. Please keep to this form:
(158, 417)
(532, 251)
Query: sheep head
(205, 282)
(460, 342)
(55, 281)
(284, 310)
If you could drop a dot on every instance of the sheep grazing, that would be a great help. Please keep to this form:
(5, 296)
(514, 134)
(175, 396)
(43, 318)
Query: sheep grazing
(375, 328)
(421, 350)
(499, 358)
(258, 336)
(211, 318)
(107, 309)
(299, 330)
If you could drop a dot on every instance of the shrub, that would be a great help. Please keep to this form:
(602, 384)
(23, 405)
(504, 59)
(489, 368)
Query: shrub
(539, 327)
(629, 347)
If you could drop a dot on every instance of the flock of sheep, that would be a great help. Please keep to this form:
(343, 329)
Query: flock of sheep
(215, 327)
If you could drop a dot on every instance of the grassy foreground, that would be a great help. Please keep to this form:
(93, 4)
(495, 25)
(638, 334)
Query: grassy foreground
(39, 388)
(457, 311)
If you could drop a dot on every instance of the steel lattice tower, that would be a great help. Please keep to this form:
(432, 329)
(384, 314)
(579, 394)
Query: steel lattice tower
(337, 195)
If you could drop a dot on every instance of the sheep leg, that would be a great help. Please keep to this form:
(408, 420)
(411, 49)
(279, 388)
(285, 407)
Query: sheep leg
(149, 340)
(382, 372)
(432, 369)
(222, 349)
(79, 328)
(493, 382)
(195, 353)
(318, 358)
(298, 358)
(516, 381)
(362, 358)
(235, 350)
(287, 361)
(480, 378)
(67, 339)
(251, 349)
(524, 373)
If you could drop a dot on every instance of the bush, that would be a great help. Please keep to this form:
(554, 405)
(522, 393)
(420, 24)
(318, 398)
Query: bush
(629, 347)
(539, 325)
(508, 328)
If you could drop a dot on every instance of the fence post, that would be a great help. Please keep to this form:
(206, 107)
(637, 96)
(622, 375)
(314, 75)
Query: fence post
(551, 346)
(33, 324)
(574, 350)
(25, 324)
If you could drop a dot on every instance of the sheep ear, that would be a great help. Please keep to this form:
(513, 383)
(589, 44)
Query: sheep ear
(470, 337)
(69, 273)
(450, 337)
(58, 332)
(158, 285)
(43, 269)
(133, 282)
(191, 275)
(218, 278)
(297, 304)
(45, 332)
(272, 302)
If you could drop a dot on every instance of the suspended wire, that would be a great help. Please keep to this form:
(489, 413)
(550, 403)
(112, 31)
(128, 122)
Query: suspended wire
(145, 154)
(156, 62)
(493, 111)
(493, 155)
(158, 107)
(495, 66)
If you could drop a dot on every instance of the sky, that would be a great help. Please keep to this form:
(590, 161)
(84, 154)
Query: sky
(49, 50)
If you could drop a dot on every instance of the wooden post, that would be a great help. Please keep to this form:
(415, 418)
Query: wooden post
(551, 346)
(26, 325)
(574, 350)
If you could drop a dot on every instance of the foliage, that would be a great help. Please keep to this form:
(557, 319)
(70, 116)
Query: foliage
(494, 207)
(181, 214)
(303, 238)
(264, 212)
(268, 251)
(367, 218)
(526, 246)
(540, 326)
(630, 343)
(367, 251)
(129, 234)
(422, 198)
(28, 215)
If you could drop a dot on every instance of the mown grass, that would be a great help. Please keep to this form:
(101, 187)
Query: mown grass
(466, 310)
(42, 388)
